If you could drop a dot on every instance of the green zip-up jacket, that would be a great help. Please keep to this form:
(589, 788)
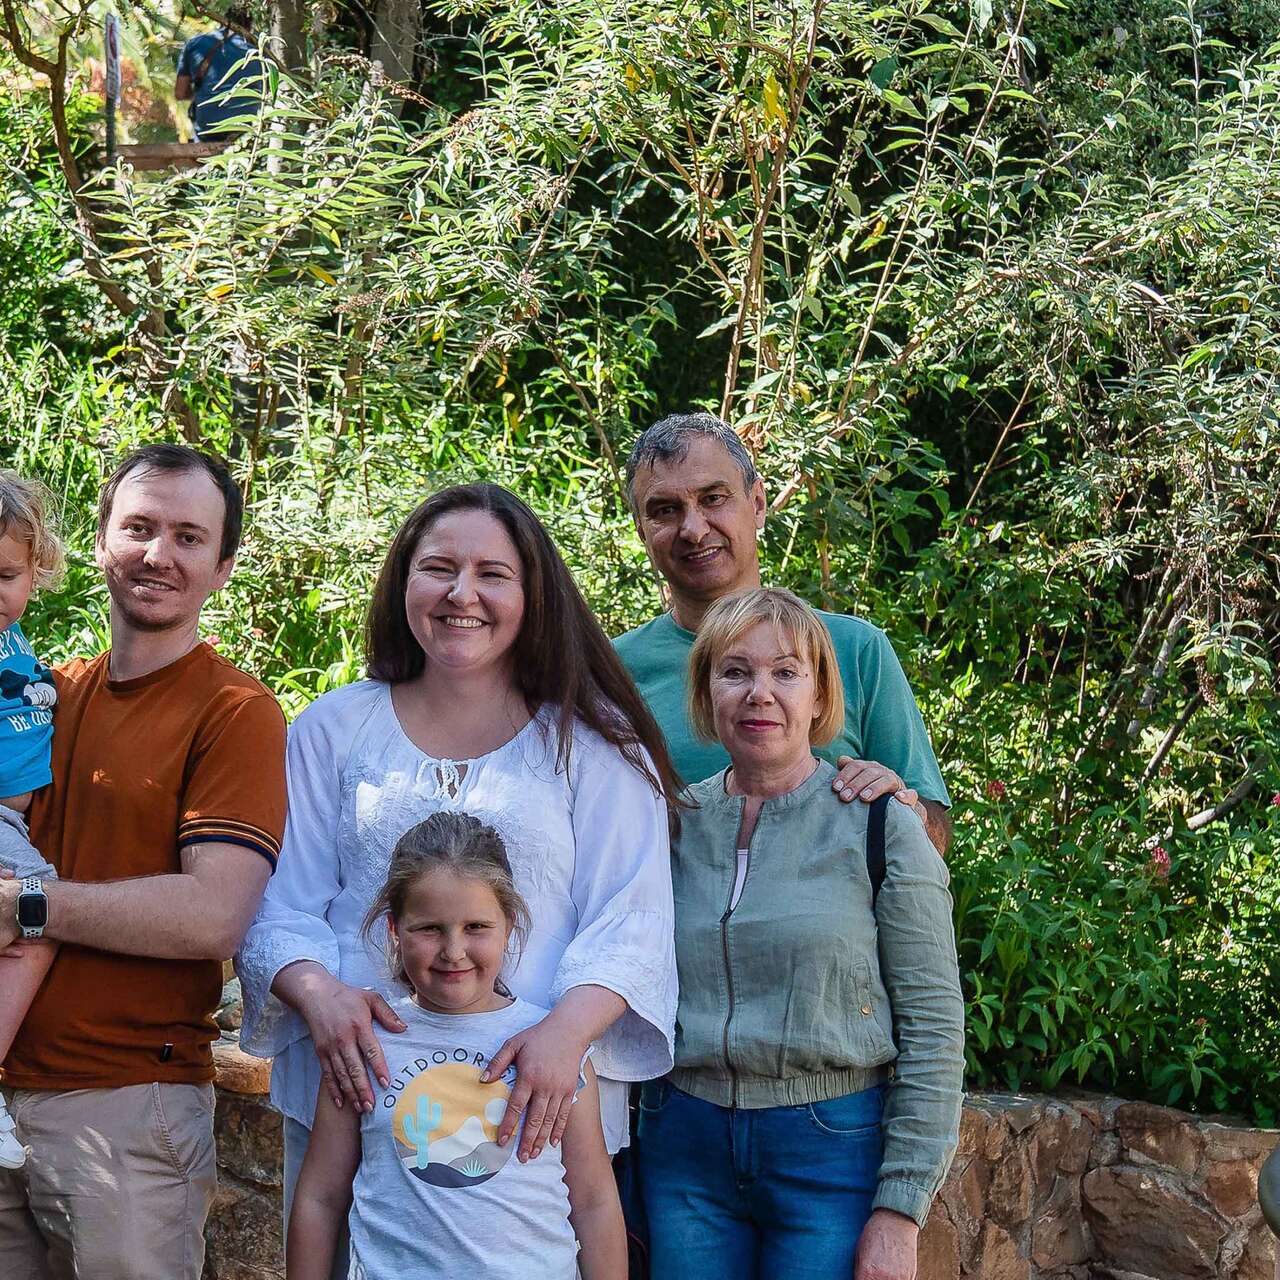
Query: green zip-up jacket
(803, 992)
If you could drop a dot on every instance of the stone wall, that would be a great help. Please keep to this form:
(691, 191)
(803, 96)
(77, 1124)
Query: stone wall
(244, 1232)
(1077, 1188)
(1084, 1188)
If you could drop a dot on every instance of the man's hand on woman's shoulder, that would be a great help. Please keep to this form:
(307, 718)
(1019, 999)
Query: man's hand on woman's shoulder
(868, 780)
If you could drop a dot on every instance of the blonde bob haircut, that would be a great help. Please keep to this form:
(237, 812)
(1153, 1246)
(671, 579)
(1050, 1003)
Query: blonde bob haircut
(27, 514)
(730, 618)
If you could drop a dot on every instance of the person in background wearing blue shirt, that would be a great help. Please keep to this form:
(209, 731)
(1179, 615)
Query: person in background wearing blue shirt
(222, 74)
(699, 505)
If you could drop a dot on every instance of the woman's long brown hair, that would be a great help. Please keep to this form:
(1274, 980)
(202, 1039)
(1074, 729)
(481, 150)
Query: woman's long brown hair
(561, 655)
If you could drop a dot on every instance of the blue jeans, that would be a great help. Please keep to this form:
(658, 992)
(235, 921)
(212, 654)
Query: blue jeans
(779, 1193)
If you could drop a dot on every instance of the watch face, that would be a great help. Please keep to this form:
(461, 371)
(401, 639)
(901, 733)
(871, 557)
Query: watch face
(33, 911)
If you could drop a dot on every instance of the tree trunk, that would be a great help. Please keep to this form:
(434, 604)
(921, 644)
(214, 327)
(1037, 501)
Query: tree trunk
(397, 33)
(289, 22)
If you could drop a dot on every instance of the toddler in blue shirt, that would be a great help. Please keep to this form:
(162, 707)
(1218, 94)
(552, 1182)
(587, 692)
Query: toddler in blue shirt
(30, 558)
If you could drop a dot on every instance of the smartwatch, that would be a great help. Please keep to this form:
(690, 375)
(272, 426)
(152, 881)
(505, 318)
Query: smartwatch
(33, 908)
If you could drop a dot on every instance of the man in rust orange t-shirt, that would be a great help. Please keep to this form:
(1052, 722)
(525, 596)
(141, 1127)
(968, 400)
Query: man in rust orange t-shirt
(164, 820)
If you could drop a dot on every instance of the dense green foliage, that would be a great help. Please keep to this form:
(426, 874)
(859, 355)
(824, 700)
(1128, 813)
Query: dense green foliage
(992, 293)
(43, 298)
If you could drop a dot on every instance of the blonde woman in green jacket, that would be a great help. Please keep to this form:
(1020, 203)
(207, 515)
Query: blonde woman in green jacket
(815, 1103)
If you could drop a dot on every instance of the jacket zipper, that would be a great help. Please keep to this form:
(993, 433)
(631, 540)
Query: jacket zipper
(730, 905)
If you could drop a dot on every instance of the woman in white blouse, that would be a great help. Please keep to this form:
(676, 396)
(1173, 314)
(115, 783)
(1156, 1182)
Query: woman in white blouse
(492, 690)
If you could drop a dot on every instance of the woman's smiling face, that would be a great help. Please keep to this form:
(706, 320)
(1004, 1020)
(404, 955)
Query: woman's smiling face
(464, 598)
(764, 698)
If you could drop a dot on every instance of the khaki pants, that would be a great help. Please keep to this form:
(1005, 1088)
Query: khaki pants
(117, 1187)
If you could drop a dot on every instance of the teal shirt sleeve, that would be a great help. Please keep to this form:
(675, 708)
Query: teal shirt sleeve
(888, 722)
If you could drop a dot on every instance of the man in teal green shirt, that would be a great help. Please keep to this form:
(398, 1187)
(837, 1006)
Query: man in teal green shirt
(698, 505)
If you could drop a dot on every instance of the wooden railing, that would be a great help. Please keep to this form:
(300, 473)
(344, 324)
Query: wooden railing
(168, 155)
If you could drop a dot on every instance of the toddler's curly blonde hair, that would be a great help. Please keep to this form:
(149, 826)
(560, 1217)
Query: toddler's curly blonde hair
(26, 513)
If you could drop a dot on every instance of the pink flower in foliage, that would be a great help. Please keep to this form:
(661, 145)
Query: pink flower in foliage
(995, 789)
(1275, 799)
(1159, 863)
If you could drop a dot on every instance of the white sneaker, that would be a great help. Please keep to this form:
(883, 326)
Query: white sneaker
(13, 1155)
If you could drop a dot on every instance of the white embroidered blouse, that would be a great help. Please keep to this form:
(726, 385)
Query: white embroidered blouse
(589, 850)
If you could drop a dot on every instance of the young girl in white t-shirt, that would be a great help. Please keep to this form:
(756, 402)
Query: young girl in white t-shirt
(426, 1186)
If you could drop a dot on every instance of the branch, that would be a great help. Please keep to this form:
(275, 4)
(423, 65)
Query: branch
(845, 425)
(695, 182)
(1123, 680)
(1175, 731)
(1199, 821)
(991, 461)
(21, 49)
(909, 211)
(993, 96)
(766, 198)
(593, 416)
(817, 246)
(1014, 31)
(1159, 667)
(564, 189)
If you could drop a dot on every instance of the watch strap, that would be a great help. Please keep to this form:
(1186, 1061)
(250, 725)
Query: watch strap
(32, 886)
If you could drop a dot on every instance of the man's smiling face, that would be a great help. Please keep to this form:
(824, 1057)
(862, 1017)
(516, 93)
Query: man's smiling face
(699, 522)
(160, 549)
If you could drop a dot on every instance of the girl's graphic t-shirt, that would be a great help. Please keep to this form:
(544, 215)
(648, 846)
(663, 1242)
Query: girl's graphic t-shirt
(435, 1194)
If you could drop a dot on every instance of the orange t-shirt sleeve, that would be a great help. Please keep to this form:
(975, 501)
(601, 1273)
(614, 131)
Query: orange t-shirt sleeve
(235, 788)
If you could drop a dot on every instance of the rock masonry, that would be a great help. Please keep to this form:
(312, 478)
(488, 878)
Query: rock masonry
(1078, 1188)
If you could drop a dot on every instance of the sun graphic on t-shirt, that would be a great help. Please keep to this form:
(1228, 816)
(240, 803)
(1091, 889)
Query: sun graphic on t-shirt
(446, 1126)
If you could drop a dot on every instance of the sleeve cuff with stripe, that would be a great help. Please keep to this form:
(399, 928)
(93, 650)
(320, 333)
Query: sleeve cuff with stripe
(230, 831)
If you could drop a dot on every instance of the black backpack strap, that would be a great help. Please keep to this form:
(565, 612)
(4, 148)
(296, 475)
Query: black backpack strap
(875, 844)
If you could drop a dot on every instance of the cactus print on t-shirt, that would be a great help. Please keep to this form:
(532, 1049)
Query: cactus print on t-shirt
(445, 1122)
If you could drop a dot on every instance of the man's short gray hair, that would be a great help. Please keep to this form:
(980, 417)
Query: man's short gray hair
(668, 441)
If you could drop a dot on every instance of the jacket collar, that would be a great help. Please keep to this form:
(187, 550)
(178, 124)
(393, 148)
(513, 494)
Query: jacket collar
(711, 794)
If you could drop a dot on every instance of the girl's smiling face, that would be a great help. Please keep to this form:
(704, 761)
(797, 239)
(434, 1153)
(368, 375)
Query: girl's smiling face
(452, 937)
(17, 578)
